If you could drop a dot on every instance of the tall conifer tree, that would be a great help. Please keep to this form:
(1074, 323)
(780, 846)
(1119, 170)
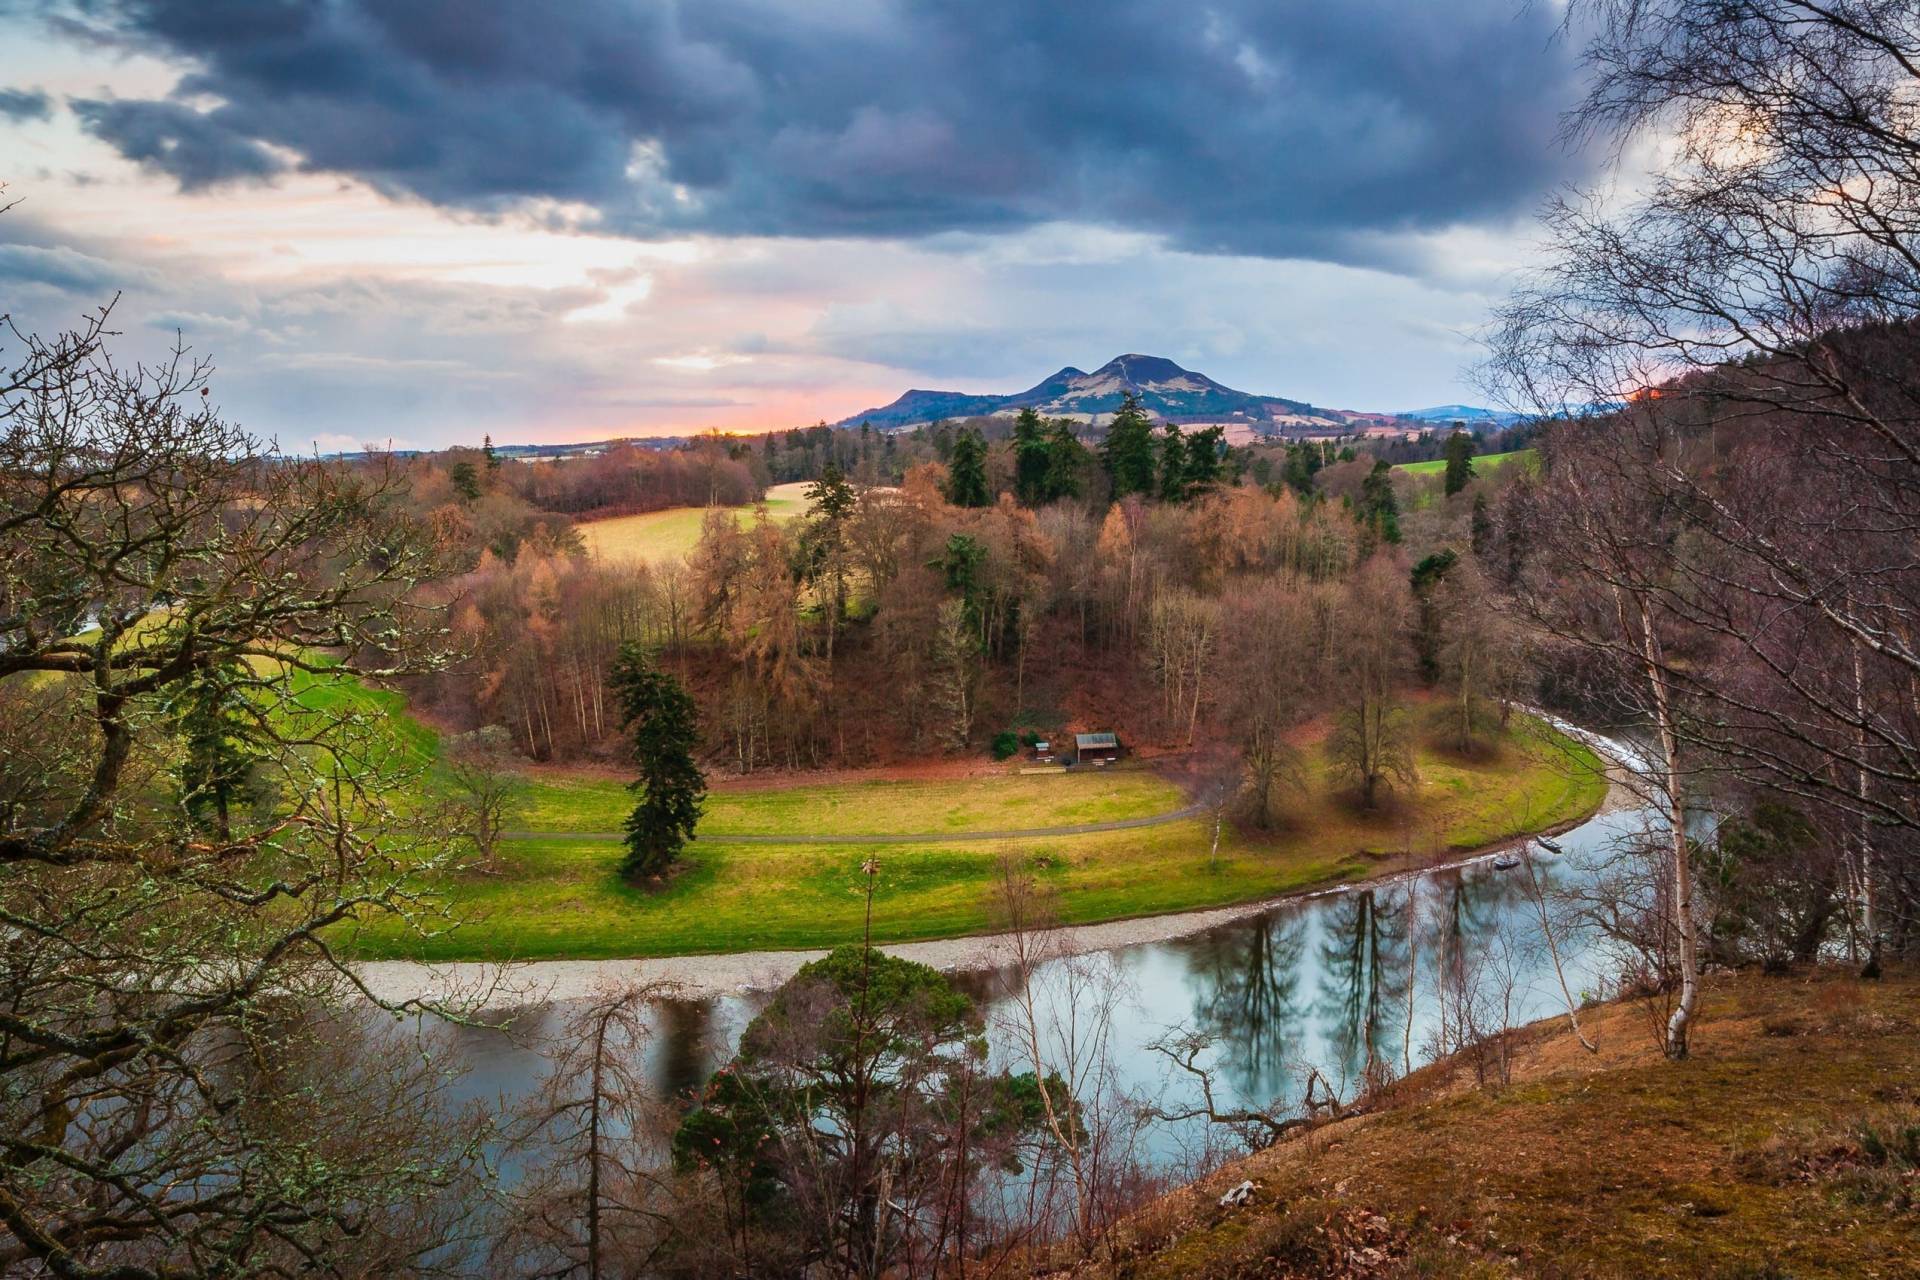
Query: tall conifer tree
(660, 715)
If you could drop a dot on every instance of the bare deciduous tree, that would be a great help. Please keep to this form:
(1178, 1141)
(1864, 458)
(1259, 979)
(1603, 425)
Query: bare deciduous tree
(1060, 1011)
(488, 788)
(592, 1198)
(177, 1097)
(1371, 741)
(1753, 309)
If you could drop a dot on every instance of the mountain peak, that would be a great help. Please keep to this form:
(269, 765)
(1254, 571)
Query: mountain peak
(1136, 367)
(1166, 390)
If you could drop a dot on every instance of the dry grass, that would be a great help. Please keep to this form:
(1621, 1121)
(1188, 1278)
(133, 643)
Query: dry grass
(1786, 1146)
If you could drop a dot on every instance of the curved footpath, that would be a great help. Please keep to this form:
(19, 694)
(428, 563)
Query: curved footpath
(920, 837)
(506, 986)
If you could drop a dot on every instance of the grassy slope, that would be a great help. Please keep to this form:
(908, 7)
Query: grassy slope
(670, 535)
(1483, 463)
(558, 897)
(1747, 1160)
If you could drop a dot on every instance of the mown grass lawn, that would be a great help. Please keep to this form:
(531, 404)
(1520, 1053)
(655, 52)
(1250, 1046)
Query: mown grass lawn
(555, 897)
(1001, 802)
(656, 536)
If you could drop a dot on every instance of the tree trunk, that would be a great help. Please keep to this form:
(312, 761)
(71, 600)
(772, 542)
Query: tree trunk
(593, 1153)
(1680, 1023)
(1863, 843)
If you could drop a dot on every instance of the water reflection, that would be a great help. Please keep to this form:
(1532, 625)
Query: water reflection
(1343, 983)
(1244, 982)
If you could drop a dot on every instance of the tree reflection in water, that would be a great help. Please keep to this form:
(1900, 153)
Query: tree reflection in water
(1246, 980)
(1344, 983)
(1363, 983)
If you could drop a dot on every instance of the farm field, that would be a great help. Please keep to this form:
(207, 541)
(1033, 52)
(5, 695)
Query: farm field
(555, 896)
(656, 536)
(1484, 463)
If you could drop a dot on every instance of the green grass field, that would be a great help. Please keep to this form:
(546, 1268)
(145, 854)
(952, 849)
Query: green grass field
(657, 536)
(1482, 464)
(557, 801)
(555, 897)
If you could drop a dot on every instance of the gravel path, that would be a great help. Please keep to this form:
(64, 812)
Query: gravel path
(918, 837)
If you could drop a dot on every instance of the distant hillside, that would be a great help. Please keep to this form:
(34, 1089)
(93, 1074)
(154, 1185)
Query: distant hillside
(1472, 415)
(1167, 391)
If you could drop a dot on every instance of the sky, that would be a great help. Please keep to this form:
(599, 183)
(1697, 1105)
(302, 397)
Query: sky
(420, 223)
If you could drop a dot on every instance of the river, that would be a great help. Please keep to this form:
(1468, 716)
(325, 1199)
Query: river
(1369, 973)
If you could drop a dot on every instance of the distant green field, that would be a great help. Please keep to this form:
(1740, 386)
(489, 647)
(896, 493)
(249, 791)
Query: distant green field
(1483, 463)
(657, 536)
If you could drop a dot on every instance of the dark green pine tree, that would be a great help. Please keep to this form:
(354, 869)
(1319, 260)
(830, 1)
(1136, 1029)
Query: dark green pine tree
(1303, 463)
(831, 497)
(1128, 452)
(1032, 458)
(1206, 457)
(1173, 465)
(466, 481)
(967, 471)
(221, 738)
(1067, 458)
(1379, 509)
(1426, 579)
(660, 717)
(493, 459)
(1459, 456)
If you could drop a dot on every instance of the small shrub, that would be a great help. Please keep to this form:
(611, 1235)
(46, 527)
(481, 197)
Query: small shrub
(1005, 744)
(1896, 1142)
(1874, 1158)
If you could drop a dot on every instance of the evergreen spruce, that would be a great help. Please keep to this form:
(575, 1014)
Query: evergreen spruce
(1173, 465)
(1206, 462)
(1066, 459)
(1032, 459)
(1128, 453)
(660, 715)
(1482, 526)
(466, 481)
(221, 738)
(1379, 509)
(967, 471)
(1459, 457)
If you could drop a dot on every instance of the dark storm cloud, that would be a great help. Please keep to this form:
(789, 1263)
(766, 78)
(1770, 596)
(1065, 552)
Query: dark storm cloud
(198, 150)
(1248, 126)
(25, 104)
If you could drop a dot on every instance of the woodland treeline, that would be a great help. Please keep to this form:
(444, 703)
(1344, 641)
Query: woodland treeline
(903, 620)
